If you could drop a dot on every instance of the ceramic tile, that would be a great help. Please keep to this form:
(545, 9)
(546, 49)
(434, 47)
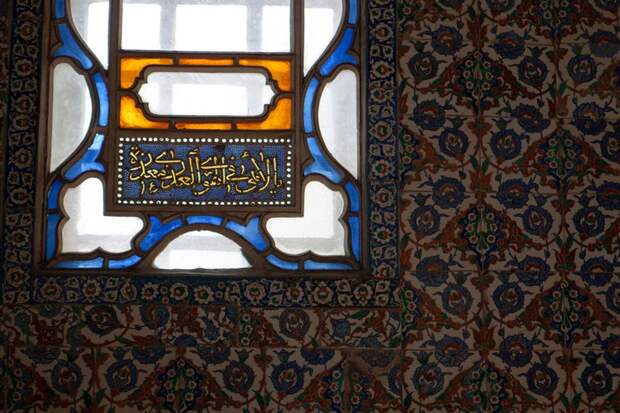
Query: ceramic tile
(375, 381)
(362, 328)
(596, 381)
(210, 379)
(37, 325)
(279, 328)
(49, 379)
(441, 308)
(301, 380)
(439, 21)
(531, 21)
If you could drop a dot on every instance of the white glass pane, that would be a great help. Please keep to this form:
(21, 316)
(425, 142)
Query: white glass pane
(71, 112)
(213, 26)
(339, 119)
(319, 230)
(206, 93)
(321, 22)
(276, 24)
(201, 250)
(141, 26)
(87, 228)
(90, 18)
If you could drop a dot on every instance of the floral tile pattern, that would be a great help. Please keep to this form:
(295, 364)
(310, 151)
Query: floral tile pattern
(494, 211)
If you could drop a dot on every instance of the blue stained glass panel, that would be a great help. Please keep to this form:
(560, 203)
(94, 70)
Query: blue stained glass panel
(51, 238)
(158, 231)
(54, 194)
(124, 263)
(280, 263)
(354, 196)
(354, 229)
(204, 220)
(70, 48)
(88, 162)
(104, 99)
(341, 55)
(321, 165)
(311, 92)
(96, 263)
(251, 232)
(316, 265)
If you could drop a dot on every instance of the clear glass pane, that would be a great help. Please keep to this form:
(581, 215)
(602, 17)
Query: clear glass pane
(319, 230)
(90, 18)
(321, 22)
(201, 250)
(87, 228)
(339, 119)
(141, 25)
(210, 26)
(206, 93)
(71, 112)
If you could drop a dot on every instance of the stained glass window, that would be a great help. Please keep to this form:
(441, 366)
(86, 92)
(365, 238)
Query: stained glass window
(213, 136)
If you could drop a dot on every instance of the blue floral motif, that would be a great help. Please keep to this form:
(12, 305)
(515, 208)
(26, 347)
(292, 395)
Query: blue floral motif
(66, 377)
(148, 355)
(456, 300)
(596, 380)
(582, 69)
(516, 351)
(42, 355)
(214, 355)
(612, 297)
(428, 379)
(122, 376)
(429, 115)
(154, 316)
(506, 144)
(541, 379)
(608, 196)
(537, 221)
(446, 40)
(432, 271)
(533, 72)
(509, 45)
(102, 319)
(611, 345)
(589, 118)
(610, 146)
(500, 6)
(533, 271)
(451, 351)
(425, 220)
(238, 377)
(448, 193)
(288, 377)
(604, 44)
(589, 221)
(423, 66)
(453, 142)
(508, 298)
(317, 356)
(513, 193)
(597, 271)
(341, 328)
(530, 118)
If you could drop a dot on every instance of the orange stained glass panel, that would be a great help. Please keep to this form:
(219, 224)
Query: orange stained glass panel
(203, 126)
(131, 67)
(132, 117)
(280, 71)
(205, 62)
(280, 118)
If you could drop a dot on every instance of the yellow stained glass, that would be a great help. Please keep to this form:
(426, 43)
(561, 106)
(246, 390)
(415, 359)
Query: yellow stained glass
(131, 67)
(280, 71)
(132, 117)
(280, 118)
(203, 126)
(205, 62)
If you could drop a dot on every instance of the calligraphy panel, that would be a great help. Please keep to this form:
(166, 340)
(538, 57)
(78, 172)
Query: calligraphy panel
(205, 171)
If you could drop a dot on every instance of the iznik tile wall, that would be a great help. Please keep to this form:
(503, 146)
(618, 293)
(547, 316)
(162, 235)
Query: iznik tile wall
(507, 298)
